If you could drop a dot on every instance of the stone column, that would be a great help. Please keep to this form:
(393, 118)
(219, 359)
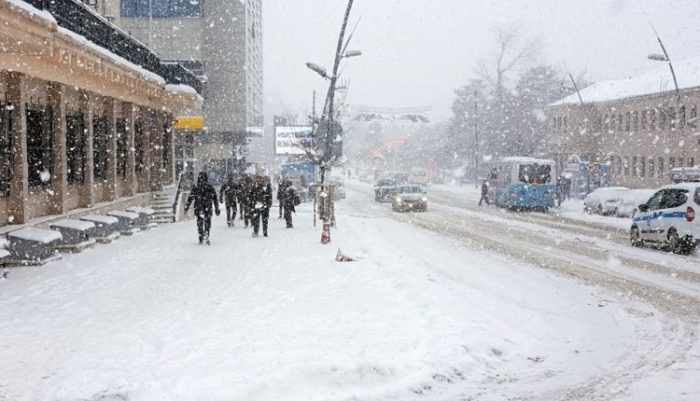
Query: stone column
(130, 116)
(18, 210)
(59, 181)
(111, 114)
(87, 192)
(157, 153)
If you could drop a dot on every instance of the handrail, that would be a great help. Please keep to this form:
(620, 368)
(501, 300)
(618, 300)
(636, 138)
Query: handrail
(176, 202)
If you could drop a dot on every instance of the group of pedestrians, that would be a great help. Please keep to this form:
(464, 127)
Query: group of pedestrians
(248, 197)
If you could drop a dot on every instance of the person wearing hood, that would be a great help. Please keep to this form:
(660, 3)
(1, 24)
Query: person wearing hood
(204, 196)
(260, 204)
(229, 192)
(291, 201)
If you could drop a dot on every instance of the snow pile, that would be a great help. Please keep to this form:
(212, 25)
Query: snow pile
(36, 234)
(657, 81)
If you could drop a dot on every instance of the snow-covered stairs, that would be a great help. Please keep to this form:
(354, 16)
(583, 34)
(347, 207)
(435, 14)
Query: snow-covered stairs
(162, 204)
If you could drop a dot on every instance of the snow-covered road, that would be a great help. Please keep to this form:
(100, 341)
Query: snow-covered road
(438, 307)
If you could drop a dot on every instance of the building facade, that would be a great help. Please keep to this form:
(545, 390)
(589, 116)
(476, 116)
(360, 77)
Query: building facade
(79, 125)
(639, 126)
(221, 42)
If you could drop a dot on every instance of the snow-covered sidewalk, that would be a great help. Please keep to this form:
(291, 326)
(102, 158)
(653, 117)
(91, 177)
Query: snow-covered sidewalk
(419, 316)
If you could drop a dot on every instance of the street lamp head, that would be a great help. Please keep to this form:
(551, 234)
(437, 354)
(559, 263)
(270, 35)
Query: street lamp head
(657, 57)
(318, 69)
(352, 53)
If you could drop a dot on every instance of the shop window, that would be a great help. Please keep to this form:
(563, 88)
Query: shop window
(6, 158)
(75, 148)
(40, 142)
(100, 148)
(122, 148)
(139, 147)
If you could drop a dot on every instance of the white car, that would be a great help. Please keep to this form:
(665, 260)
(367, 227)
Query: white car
(631, 200)
(409, 197)
(604, 200)
(667, 219)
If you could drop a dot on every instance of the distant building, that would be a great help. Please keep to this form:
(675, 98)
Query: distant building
(221, 42)
(637, 125)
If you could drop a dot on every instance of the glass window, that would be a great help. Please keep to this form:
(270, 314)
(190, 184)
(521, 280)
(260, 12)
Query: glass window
(139, 147)
(691, 161)
(642, 166)
(161, 8)
(673, 198)
(681, 117)
(697, 196)
(635, 167)
(652, 119)
(75, 147)
(644, 119)
(122, 148)
(635, 121)
(40, 140)
(628, 121)
(100, 148)
(654, 202)
(6, 158)
(651, 170)
(671, 162)
(660, 169)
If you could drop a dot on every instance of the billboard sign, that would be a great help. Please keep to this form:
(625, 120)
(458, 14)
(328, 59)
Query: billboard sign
(292, 140)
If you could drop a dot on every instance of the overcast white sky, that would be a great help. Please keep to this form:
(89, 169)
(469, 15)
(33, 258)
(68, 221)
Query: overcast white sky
(416, 52)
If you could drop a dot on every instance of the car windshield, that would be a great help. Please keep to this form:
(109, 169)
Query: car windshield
(349, 200)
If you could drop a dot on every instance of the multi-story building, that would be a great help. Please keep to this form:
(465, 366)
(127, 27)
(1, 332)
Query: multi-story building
(221, 42)
(639, 126)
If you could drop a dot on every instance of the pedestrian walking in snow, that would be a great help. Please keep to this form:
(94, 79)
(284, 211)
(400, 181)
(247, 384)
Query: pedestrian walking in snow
(228, 194)
(260, 204)
(281, 192)
(246, 185)
(204, 196)
(484, 193)
(291, 201)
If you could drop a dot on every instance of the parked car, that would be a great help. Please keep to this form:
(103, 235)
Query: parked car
(631, 200)
(384, 189)
(410, 197)
(667, 219)
(605, 200)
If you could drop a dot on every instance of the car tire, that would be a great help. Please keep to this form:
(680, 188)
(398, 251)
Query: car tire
(635, 239)
(600, 210)
(675, 244)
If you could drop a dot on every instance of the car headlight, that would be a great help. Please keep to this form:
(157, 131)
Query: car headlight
(399, 200)
(424, 199)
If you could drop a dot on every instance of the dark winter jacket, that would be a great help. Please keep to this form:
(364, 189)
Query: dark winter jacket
(282, 190)
(245, 185)
(204, 196)
(261, 196)
(484, 188)
(229, 192)
(290, 199)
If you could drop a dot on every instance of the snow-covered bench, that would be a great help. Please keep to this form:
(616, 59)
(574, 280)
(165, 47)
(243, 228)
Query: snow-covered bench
(127, 221)
(76, 235)
(32, 246)
(106, 227)
(145, 215)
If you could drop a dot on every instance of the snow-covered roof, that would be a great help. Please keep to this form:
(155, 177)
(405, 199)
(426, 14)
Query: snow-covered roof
(128, 215)
(657, 81)
(97, 218)
(115, 58)
(74, 224)
(36, 234)
(183, 89)
(32, 10)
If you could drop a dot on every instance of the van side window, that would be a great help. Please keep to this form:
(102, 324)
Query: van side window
(654, 202)
(674, 198)
(697, 196)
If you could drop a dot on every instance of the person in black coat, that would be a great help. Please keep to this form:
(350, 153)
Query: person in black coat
(291, 200)
(228, 194)
(204, 196)
(484, 193)
(260, 204)
(246, 185)
(281, 192)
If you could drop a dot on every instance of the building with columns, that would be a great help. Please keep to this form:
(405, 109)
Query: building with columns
(639, 126)
(80, 126)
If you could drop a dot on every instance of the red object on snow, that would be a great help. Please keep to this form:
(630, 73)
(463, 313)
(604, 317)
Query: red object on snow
(342, 258)
(326, 234)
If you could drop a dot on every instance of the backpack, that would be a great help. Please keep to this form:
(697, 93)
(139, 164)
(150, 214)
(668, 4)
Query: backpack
(297, 200)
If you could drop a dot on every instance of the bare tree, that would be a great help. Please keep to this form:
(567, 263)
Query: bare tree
(511, 52)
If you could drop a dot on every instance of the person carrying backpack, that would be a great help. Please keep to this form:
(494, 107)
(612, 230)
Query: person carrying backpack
(260, 204)
(203, 195)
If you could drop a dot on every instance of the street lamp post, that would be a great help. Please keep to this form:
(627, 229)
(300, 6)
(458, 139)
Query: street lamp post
(329, 115)
(665, 58)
